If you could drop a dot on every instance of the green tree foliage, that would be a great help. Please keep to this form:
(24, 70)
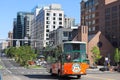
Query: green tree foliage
(96, 54)
(53, 53)
(22, 54)
(58, 50)
(117, 55)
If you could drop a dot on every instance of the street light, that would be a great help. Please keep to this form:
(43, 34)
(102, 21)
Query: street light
(17, 43)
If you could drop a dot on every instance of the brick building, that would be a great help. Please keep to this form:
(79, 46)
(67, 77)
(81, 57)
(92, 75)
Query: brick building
(99, 40)
(104, 16)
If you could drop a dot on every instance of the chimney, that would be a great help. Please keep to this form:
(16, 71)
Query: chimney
(83, 34)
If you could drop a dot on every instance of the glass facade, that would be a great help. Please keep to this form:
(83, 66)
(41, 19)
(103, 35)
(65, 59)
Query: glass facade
(22, 26)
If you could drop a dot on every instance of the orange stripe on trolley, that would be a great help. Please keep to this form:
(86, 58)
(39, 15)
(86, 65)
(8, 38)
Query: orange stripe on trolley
(74, 68)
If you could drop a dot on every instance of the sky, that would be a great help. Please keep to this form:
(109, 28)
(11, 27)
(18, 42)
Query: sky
(9, 9)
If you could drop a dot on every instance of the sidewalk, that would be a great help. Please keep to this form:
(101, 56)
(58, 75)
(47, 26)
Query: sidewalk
(1, 64)
(96, 70)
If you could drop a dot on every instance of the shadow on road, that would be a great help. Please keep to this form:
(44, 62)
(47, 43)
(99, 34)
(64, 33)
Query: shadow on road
(50, 77)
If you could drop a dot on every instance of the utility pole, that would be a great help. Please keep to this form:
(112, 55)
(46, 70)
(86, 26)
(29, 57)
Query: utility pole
(17, 43)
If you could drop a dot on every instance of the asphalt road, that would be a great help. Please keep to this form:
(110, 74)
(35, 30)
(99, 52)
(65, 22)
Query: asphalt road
(13, 71)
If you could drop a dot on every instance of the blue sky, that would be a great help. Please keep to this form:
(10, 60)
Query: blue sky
(9, 9)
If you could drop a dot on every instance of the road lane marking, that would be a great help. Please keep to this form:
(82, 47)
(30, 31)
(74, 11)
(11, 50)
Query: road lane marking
(100, 78)
(8, 71)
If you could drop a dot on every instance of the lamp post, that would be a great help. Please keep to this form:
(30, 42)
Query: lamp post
(17, 43)
(26, 40)
(35, 47)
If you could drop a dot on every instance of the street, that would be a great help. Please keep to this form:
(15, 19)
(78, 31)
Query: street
(13, 71)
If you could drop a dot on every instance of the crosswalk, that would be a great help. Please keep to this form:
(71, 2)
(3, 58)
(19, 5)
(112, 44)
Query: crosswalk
(22, 71)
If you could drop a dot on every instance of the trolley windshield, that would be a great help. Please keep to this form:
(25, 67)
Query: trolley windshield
(74, 52)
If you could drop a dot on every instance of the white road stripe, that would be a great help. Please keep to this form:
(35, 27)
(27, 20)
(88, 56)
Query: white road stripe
(8, 71)
(100, 78)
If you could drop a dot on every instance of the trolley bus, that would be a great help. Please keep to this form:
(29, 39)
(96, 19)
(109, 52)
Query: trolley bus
(72, 61)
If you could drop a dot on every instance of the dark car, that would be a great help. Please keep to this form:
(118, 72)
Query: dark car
(117, 68)
(104, 68)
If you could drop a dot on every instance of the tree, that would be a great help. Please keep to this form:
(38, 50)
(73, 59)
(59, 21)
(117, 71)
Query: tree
(21, 54)
(53, 53)
(96, 54)
(57, 51)
(117, 55)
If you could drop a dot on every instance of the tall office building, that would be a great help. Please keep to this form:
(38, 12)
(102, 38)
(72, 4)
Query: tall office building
(14, 31)
(34, 27)
(103, 15)
(22, 26)
(90, 15)
(48, 19)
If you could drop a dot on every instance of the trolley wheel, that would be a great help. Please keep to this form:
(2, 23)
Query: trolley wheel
(51, 72)
(78, 76)
(59, 73)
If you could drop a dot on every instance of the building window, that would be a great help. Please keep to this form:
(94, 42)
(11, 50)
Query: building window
(47, 30)
(60, 23)
(65, 34)
(60, 14)
(60, 26)
(64, 40)
(114, 9)
(93, 28)
(93, 9)
(48, 22)
(89, 23)
(87, 4)
(107, 11)
(89, 10)
(60, 18)
(53, 18)
(96, 8)
(53, 26)
(93, 15)
(99, 44)
(47, 26)
(47, 18)
(86, 23)
(89, 16)
(54, 14)
(70, 34)
(89, 29)
(93, 22)
(48, 14)
(86, 17)
(47, 35)
(54, 22)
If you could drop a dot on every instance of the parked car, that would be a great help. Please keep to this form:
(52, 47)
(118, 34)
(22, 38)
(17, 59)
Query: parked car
(93, 67)
(104, 68)
(117, 68)
(41, 63)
